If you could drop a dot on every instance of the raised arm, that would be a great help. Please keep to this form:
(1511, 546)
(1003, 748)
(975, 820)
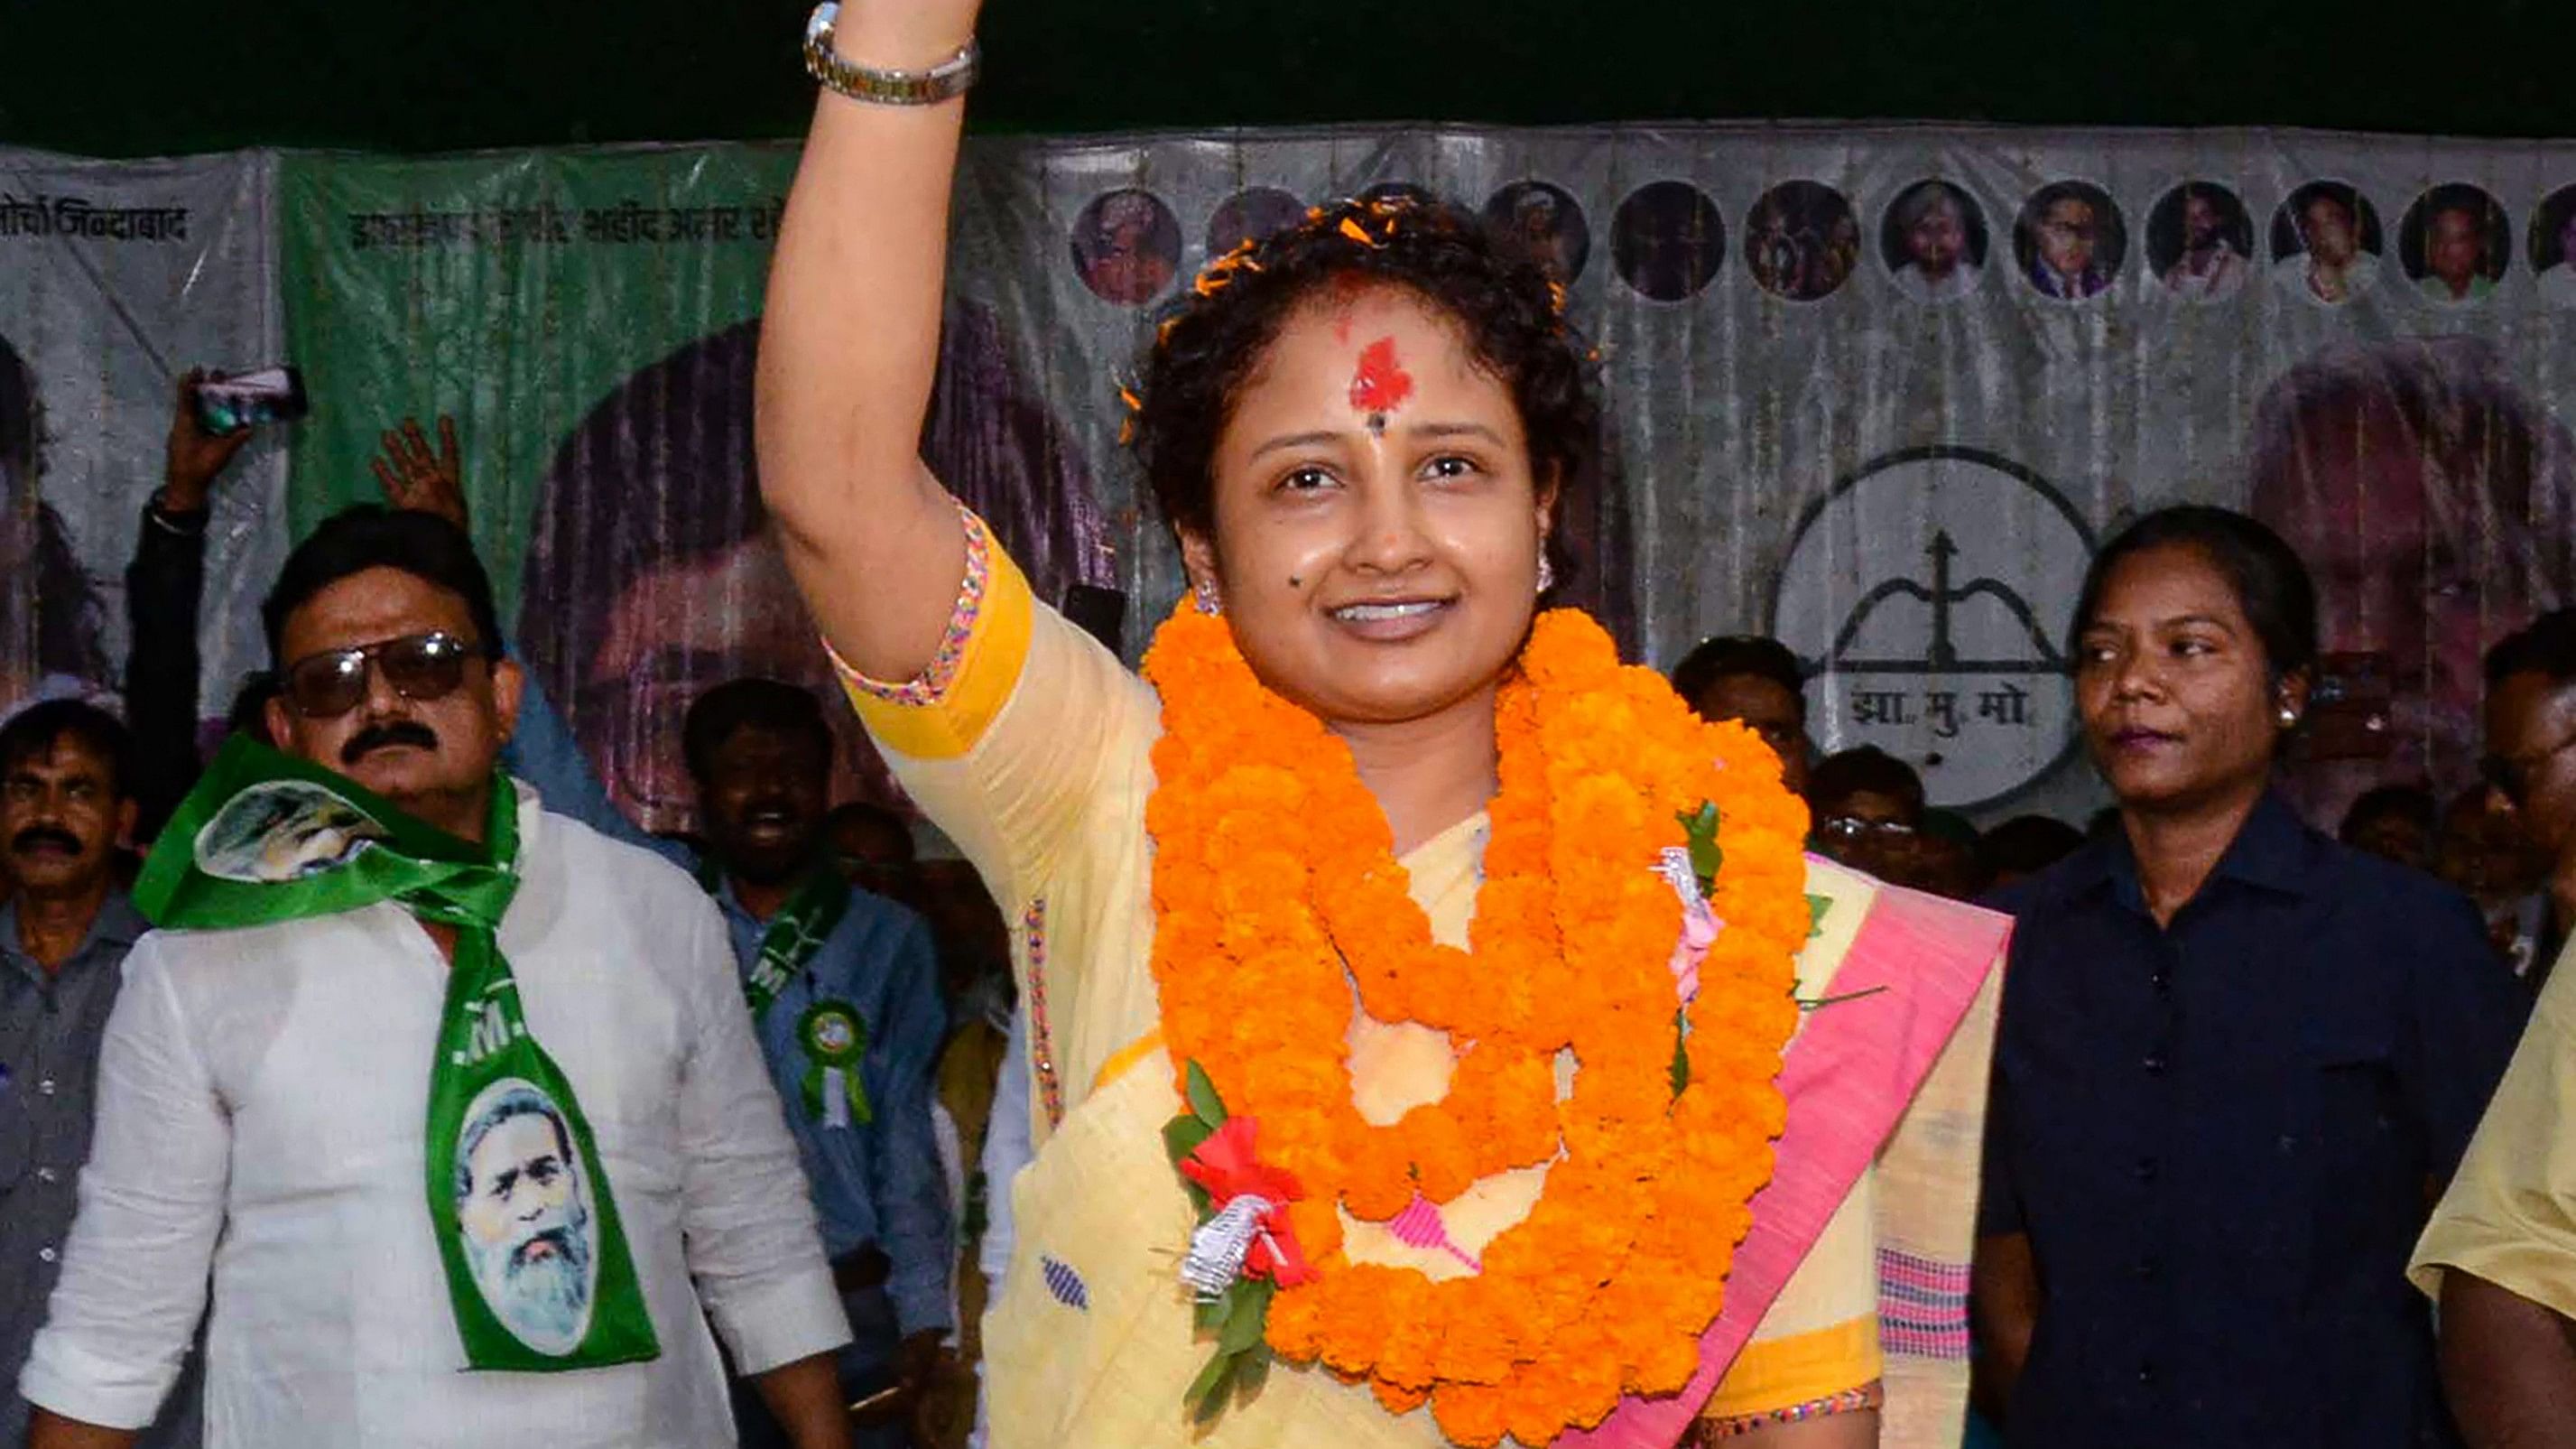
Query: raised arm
(850, 346)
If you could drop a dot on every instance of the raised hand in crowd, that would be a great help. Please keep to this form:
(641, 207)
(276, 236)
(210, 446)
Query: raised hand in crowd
(163, 584)
(195, 457)
(415, 476)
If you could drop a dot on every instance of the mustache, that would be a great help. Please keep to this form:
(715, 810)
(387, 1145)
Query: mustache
(34, 836)
(383, 736)
(557, 1239)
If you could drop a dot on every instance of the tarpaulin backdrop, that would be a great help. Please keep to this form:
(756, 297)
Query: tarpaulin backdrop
(1881, 390)
(115, 278)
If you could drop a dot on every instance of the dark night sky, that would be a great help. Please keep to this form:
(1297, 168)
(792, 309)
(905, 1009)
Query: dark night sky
(157, 77)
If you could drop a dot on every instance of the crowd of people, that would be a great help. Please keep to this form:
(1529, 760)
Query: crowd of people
(1387, 1020)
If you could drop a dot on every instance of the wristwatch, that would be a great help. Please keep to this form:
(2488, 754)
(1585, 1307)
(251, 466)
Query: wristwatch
(942, 82)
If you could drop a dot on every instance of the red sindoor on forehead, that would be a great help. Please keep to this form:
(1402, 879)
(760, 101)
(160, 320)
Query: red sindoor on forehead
(1380, 384)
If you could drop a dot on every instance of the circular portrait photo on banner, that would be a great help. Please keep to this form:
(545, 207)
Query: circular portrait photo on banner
(1933, 240)
(283, 830)
(1543, 223)
(2070, 241)
(1801, 241)
(1126, 246)
(1667, 241)
(2200, 242)
(2326, 243)
(1251, 215)
(2553, 247)
(2454, 244)
(524, 1207)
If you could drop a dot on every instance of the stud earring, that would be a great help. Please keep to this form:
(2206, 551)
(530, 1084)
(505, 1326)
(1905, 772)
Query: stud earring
(2289, 717)
(1203, 595)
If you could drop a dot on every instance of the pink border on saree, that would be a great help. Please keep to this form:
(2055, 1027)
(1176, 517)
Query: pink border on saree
(1848, 1077)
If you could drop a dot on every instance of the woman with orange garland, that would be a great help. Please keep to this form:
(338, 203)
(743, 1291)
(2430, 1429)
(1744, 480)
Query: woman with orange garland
(1438, 1035)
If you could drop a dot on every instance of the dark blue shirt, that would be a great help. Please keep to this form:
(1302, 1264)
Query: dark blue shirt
(2219, 1136)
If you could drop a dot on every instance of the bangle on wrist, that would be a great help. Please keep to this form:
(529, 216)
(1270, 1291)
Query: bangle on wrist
(945, 81)
(185, 522)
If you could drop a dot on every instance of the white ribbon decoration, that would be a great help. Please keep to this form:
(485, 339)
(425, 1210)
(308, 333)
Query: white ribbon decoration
(1217, 1247)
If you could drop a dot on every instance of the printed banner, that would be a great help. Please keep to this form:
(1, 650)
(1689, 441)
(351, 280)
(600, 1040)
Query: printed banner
(1880, 390)
(591, 321)
(115, 279)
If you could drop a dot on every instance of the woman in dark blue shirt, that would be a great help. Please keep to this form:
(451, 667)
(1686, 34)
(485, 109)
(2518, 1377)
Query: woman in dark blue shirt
(2234, 1059)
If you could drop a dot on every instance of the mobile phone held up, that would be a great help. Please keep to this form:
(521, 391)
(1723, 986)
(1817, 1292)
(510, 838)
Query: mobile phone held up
(230, 403)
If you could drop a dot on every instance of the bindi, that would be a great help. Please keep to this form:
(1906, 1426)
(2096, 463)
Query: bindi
(1379, 385)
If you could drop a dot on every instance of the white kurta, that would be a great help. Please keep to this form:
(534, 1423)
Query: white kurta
(262, 1096)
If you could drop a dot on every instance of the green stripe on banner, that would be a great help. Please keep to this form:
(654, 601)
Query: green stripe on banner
(514, 290)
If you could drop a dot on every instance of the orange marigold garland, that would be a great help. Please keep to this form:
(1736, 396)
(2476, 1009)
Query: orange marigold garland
(1276, 890)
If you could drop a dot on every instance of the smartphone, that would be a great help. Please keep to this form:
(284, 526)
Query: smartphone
(228, 404)
(2350, 708)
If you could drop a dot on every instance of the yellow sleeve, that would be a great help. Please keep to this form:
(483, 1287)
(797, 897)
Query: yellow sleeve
(1819, 1341)
(1008, 734)
(2510, 1214)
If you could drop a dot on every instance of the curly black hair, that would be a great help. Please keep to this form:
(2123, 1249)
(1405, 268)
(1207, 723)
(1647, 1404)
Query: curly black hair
(1207, 343)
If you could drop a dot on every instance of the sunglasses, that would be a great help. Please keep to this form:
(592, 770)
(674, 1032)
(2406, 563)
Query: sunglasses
(2511, 775)
(419, 667)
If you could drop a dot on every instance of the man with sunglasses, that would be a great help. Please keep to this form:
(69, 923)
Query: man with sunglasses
(272, 1086)
(2500, 1255)
(820, 961)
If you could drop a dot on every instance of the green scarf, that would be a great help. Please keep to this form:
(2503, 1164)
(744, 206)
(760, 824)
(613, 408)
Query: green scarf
(512, 1169)
(831, 1033)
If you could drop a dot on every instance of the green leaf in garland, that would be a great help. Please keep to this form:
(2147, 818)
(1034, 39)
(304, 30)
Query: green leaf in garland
(1181, 1137)
(1250, 1317)
(1205, 1397)
(1252, 1373)
(1817, 906)
(1701, 827)
(1681, 1051)
(1203, 1098)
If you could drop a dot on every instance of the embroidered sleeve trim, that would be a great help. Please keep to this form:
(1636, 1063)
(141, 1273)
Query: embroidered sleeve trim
(1707, 1432)
(931, 685)
(1033, 928)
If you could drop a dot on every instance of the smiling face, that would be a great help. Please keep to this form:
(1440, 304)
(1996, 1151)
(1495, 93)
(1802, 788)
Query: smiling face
(2179, 708)
(763, 801)
(1377, 526)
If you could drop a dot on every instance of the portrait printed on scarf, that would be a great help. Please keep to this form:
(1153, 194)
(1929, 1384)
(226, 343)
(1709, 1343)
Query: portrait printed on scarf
(524, 1207)
(283, 830)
